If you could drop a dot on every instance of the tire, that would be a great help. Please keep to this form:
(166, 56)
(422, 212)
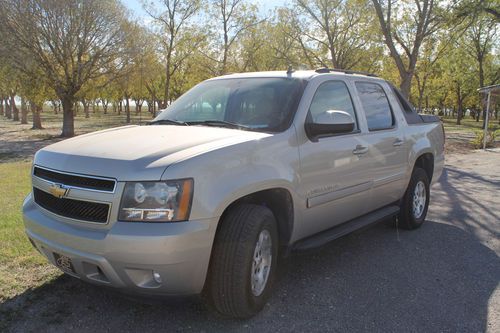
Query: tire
(230, 288)
(413, 209)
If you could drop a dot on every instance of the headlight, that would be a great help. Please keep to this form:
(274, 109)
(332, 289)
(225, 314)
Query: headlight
(168, 201)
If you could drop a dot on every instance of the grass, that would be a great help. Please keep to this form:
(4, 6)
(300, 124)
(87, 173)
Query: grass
(468, 125)
(21, 267)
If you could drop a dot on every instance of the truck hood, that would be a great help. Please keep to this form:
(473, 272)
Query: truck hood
(137, 152)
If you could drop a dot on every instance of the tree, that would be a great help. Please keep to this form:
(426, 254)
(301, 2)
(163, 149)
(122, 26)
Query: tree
(480, 38)
(233, 17)
(469, 8)
(173, 16)
(459, 74)
(405, 26)
(340, 29)
(71, 42)
(433, 49)
(36, 92)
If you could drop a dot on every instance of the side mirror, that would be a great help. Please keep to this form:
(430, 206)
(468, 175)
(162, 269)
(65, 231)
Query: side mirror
(329, 123)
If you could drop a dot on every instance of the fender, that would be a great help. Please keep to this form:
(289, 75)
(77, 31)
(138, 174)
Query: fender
(223, 176)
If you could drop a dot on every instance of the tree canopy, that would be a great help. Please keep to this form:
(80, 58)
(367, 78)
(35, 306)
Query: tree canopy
(95, 52)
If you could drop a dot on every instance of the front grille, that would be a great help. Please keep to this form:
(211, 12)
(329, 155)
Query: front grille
(75, 209)
(77, 181)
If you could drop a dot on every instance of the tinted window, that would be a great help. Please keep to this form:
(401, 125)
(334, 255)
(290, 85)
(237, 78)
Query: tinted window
(376, 105)
(332, 95)
(260, 104)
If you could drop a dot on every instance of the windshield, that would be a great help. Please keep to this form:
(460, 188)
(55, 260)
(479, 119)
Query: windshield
(259, 104)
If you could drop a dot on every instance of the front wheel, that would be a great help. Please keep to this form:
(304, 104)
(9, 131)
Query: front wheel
(415, 201)
(244, 261)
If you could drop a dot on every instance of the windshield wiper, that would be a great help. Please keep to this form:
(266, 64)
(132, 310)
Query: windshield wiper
(168, 122)
(220, 123)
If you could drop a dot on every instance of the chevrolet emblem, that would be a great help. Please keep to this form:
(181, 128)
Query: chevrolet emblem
(58, 190)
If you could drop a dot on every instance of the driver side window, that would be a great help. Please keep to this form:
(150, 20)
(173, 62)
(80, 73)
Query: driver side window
(332, 95)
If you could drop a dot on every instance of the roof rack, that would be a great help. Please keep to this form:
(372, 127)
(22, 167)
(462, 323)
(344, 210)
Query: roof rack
(345, 71)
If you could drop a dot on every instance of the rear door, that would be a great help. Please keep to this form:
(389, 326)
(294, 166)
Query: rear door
(388, 148)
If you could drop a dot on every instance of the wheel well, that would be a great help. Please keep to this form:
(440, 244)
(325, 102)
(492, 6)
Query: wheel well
(279, 201)
(426, 162)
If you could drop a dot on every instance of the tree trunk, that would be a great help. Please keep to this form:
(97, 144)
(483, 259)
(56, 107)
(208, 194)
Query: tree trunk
(167, 85)
(154, 108)
(105, 106)
(405, 86)
(127, 108)
(24, 111)
(2, 110)
(15, 110)
(8, 109)
(68, 129)
(54, 105)
(120, 107)
(138, 106)
(86, 108)
(37, 121)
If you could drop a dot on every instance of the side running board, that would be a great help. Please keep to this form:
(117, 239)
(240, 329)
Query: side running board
(345, 228)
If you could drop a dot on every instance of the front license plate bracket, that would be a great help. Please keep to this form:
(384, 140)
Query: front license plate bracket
(64, 263)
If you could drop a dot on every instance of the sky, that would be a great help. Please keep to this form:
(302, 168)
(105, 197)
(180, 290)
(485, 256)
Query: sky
(264, 5)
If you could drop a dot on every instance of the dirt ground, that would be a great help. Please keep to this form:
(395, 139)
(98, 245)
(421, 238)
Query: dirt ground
(443, 277)
(20, 142)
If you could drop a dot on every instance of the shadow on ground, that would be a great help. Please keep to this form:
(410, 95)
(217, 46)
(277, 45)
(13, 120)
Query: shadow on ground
(439, 278)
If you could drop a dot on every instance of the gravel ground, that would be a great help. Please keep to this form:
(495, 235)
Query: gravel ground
(442, 277)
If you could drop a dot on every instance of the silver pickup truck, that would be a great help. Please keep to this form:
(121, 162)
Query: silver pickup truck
(235, 174)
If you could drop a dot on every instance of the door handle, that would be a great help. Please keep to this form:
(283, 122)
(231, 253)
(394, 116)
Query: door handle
(360, 150)
(398, 142)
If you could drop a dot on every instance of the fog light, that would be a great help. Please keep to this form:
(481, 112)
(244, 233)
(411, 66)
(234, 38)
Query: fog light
(157, 277)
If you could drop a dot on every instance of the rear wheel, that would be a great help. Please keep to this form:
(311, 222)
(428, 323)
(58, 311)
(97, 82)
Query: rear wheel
(244, 261)
(415, 201)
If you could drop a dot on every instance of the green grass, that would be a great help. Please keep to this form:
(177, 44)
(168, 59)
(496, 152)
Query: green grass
(21, 267)
(468, 125)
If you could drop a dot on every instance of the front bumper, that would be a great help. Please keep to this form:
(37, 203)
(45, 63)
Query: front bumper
(126, 255)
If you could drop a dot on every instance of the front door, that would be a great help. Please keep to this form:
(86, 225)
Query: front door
(335, 171)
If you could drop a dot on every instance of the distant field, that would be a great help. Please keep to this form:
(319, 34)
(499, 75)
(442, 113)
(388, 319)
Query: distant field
(468, 125)
(20, 142)
(52, 122)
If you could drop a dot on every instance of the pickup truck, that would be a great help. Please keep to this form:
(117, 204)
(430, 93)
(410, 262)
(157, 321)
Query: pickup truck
(233, 176)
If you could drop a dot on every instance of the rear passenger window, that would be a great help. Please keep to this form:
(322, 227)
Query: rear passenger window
(376, 105)
(332, 95)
